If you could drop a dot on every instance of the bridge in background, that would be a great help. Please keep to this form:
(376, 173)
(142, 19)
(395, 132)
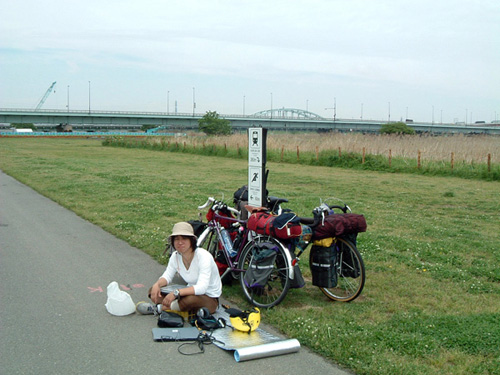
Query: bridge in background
(277, 119)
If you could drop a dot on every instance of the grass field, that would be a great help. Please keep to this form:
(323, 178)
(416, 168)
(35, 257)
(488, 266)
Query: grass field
(431, 304)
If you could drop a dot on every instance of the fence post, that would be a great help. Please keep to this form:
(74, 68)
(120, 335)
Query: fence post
(298, 158)
(418, 159)
(489, 162)
(390, 157)
(317, 153)
(363, 159)
(340, 153)
(282, 151)
(452, 160)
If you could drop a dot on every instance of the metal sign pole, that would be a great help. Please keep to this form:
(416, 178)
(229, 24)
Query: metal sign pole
(256, 166)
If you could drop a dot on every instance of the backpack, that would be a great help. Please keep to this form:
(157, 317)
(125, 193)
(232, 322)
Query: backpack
(241, 194)
(240, 200)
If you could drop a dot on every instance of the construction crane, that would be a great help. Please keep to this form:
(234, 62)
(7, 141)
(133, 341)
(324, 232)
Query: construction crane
(47, 93)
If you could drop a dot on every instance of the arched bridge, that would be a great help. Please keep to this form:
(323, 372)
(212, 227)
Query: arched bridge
(291, 113)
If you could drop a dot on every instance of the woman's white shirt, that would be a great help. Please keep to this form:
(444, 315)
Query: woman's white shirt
(202, 274)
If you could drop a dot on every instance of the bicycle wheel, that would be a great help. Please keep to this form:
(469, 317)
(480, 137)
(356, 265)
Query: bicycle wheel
(209, 241)
(350, 273)
(272, 289)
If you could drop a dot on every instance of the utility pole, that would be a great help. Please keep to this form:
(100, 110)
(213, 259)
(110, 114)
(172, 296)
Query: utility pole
(334, 109)
(89, 97)
(271, 106)
(194, 102)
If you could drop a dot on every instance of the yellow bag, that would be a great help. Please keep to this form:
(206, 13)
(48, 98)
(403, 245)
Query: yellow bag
(324, 242)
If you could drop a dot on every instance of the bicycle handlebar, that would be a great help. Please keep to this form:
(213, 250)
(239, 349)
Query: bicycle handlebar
(205, 205)
(344, 208)
(216, 205)
(233, 210)
(320, 212)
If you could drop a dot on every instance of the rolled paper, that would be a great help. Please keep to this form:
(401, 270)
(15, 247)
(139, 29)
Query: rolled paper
(267, 350)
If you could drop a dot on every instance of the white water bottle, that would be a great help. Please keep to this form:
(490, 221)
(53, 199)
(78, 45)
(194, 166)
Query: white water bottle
(228, 244)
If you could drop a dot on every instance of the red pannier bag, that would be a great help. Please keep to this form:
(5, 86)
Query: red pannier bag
(261, 223)
(340, 224)
(276, 226)
(287, 225)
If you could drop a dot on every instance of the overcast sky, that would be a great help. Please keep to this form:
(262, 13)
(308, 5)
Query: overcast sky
(422, 59)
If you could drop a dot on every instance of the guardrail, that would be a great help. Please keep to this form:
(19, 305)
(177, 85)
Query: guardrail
(84, 134)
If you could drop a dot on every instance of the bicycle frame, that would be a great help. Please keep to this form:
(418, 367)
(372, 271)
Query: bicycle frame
(247, 236)
(215, 225)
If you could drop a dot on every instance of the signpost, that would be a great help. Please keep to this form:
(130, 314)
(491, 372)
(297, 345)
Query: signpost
(257, 166)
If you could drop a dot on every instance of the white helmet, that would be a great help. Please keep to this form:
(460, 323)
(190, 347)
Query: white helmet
(119, 302)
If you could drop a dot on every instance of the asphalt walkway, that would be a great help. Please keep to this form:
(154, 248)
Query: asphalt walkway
(54, 270)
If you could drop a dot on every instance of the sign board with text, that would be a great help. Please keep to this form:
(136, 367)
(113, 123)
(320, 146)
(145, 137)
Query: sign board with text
(256, 166)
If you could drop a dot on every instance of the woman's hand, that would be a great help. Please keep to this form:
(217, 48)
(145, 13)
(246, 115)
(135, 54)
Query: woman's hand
(156, 293)
(169, 298)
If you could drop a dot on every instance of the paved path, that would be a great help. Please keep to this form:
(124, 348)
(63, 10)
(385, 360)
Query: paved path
(54, 270)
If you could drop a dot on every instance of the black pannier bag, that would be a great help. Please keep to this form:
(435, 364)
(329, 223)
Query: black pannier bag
(261, 265)
(323, 266)
(198, 227)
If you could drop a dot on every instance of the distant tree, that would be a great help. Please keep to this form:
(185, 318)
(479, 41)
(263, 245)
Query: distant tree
(23, 126)
(211, 124)
(396, 128)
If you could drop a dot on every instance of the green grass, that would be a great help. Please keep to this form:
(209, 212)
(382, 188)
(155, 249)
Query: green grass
(431, 304)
